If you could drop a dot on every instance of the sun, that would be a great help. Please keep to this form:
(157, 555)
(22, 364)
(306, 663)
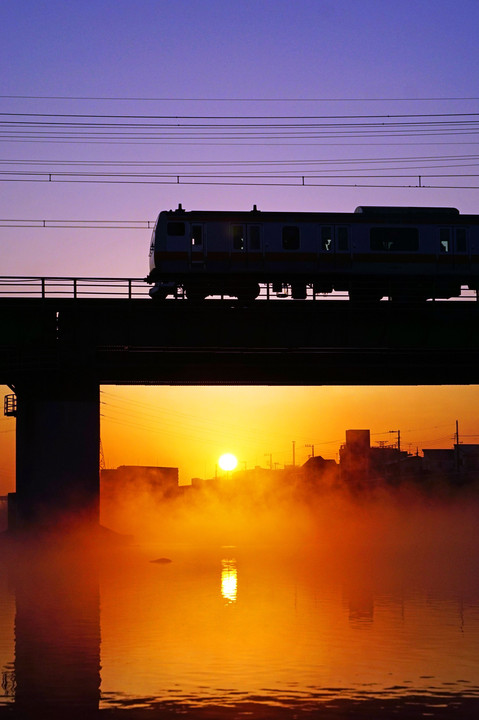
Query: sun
(227, 462)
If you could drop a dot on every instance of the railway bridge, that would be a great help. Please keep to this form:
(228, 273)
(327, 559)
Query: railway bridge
(58, 347)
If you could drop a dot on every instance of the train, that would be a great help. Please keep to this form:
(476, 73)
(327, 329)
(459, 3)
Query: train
(375, 252)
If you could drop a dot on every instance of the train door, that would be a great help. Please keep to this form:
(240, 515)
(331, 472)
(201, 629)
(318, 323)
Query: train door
(254, 247)
(246, 247)
(445, 253)
(197, 246)
(342, 237)
(453, 253)
(462, 255)
(334, 249)
(239, 251)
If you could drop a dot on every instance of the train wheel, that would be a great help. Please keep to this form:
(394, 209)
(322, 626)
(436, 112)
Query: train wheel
(195, 293)
(410, 293)
(248, 293)
(408, 297)
(298, 291)
(364, 295)
(157, 294)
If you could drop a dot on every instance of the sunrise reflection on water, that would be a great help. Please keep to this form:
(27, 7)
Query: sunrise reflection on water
(304, 630)
(229, 580)
(389, 618)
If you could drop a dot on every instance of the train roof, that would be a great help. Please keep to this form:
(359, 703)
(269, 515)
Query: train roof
(360, 215)
(403, 210)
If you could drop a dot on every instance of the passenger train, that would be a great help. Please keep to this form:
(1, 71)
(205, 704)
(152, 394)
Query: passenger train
(402, 253)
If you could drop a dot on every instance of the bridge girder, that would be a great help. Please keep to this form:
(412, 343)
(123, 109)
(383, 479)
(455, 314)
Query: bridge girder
(276, 343)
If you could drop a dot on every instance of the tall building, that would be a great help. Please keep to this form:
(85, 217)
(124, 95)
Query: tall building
(355, 456)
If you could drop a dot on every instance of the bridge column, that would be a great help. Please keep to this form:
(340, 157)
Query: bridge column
(57, 453)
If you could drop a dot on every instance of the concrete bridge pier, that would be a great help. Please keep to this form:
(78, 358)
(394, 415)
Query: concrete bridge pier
(57, 454)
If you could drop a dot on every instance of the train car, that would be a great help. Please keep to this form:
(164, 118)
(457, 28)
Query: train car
(402, 253)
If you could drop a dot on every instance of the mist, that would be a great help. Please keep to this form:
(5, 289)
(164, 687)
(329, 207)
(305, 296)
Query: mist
(436, 526)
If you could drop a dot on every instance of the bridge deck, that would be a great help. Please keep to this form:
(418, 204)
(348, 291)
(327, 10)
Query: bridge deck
(116, 341)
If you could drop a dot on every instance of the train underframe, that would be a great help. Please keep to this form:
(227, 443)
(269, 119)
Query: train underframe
(360, 289)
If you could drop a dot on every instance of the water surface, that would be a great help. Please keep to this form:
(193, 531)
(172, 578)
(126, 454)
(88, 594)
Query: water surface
(382, 623)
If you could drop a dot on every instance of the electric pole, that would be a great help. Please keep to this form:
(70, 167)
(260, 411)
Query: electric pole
(398, 432)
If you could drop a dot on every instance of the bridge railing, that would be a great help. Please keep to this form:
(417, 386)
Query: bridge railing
(137, 288)
(73, 287)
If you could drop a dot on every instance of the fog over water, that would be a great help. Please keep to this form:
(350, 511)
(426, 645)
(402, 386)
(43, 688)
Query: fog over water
(266, 599)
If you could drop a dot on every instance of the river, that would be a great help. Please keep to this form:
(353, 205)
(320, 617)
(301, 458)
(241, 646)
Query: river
(372, 614)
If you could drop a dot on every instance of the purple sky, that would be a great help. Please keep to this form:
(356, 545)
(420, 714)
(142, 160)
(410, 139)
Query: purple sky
(347, 57)
(192, 49)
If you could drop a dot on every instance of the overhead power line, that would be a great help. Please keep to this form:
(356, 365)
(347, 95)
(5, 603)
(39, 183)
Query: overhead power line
(237, 99)
(236, 130)
(176, 118)
(418, 160)
(277, 180)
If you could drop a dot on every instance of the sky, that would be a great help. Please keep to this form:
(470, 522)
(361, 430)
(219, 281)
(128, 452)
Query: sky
(82, 68)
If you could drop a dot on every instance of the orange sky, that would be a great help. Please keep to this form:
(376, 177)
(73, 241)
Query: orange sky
(190, 427)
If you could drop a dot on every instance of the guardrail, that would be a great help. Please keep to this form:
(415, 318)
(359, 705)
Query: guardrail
(137, 288)
(73, 287)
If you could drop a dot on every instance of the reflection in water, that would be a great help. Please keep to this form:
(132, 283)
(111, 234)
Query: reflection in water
(57, 633)
(361, 607)
(364, 629)
(229, 580)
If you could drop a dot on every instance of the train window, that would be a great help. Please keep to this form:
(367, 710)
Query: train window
(290, 237)
(176, 229)
(254, 237)
(461, 244)
(196, 235)
(444, 240)
(326, 238)
(238, 237)
(343, 238)
(393, 239)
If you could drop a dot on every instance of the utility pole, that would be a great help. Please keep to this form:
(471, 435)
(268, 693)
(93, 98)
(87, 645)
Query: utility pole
(294, 453)
(399, 450)
(312, 449)
(457, 448)
(270, 455)
(398, 432)
(102, 457)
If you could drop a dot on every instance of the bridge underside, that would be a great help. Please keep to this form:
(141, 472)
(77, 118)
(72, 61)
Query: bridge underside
(56, 353)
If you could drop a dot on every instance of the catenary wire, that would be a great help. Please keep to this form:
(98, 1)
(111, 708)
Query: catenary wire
(236, 99)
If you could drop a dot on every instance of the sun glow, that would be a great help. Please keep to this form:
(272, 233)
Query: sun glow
(229, 580)
(227, 462)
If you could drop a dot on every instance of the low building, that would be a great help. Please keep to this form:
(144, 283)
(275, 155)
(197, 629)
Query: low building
(439, 462)
(158, 481)
(362, 465)
(459, 464)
